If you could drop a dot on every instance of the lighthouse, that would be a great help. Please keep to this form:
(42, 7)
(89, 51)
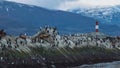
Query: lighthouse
(97, 27)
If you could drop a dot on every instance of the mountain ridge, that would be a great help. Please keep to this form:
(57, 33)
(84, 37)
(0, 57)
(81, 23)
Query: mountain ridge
(18, 18)
(104, 14)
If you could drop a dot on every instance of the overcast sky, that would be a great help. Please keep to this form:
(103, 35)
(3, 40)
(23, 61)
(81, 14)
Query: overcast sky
(68, 4)
(51, 4)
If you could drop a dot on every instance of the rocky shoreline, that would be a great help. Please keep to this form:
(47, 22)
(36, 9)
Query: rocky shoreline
(77, 57)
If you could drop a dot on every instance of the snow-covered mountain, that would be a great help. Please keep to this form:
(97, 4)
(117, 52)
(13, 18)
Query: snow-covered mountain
(108, 15)
(18, 18)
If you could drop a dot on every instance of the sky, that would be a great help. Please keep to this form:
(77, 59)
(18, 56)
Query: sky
(68, 4)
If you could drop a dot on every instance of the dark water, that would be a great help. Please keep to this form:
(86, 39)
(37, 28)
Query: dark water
(102, 65)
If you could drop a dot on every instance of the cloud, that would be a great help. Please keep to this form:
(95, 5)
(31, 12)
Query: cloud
(51, 4)
(68, 4)
(87, 3)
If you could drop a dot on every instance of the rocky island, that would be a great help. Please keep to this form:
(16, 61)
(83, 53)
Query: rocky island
(48, 49)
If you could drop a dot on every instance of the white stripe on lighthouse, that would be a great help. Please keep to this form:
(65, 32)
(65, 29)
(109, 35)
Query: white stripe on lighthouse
(96, 27)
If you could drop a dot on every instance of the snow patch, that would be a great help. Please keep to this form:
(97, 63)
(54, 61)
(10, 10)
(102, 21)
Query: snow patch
(104, 13)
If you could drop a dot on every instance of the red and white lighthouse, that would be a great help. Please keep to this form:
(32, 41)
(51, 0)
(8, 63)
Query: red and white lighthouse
(97, 26)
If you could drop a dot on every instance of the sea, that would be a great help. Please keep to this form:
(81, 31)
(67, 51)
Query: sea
(115, 64)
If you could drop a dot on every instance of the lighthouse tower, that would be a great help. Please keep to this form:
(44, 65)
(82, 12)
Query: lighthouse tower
(97, 27)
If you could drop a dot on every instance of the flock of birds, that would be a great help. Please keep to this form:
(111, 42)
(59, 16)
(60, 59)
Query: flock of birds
(49, 37)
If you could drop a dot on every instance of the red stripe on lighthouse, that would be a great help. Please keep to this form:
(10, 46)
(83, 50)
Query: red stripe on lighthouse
(97, 27)
(97, 30)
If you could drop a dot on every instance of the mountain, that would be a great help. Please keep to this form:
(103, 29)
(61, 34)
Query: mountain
(108, 15)
(18, 18)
